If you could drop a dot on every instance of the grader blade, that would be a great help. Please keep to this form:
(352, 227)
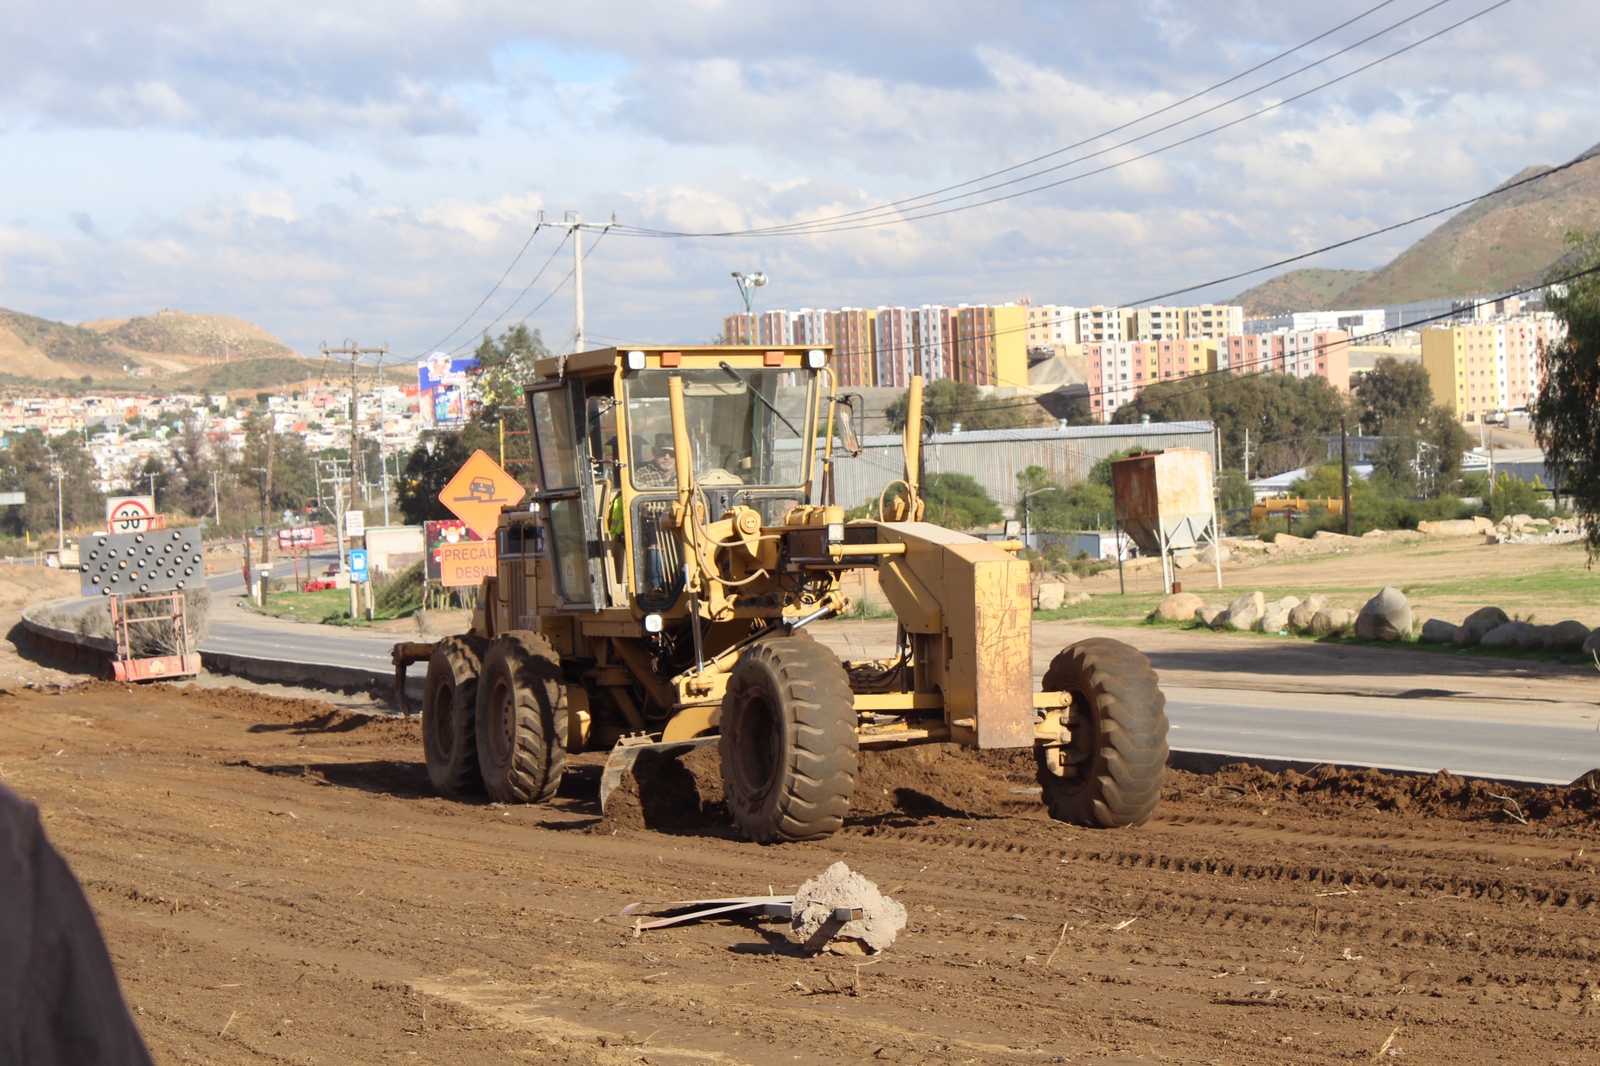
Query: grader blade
(626, 754)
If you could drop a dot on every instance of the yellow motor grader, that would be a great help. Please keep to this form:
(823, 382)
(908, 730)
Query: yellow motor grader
(654, 592)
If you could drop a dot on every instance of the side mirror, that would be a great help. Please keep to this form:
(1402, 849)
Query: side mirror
(844, 421)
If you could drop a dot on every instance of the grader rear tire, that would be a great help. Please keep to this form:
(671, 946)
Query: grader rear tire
(521, 719)
(449, 715)
(788, 741)
(1111, 772)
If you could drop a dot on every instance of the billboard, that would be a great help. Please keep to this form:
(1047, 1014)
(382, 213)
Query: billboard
(452, 546)
(444, 387)
(302, 537)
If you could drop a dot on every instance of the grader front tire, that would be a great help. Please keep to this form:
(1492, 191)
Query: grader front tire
(1109, 774)
(521, 719)
(449, 712)
(788, 741)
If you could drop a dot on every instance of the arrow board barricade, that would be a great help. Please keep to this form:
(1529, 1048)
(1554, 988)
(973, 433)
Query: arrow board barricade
(132, 564)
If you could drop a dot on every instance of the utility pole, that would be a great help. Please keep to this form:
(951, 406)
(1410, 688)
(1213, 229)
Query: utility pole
(266, 487)
(575, 226)
(383, 428)
(1344, 469)
(1247, 453)
(216, 506)
(61, 527)
(354, 351)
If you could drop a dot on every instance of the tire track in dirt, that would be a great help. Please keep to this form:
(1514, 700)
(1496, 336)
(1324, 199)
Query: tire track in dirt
(272, 859)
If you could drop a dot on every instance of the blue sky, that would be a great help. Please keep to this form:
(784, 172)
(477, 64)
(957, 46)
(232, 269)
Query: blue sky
(368, 170)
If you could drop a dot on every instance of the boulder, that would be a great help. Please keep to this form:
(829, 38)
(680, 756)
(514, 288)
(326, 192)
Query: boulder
(1482, 524)
(1524, 636)
(1300, 617)
(1591, 646)
(1211, 614)
(1051, 593)
(1077, 599)
(1332, 620)
(1438, 631)
(1456, 527)
(1179, 607)
(1183, 560)
(1244, 612)
(1478, 623)
(1374, 534)
(1275, 618)
(1387, 616)
(1567, 636)
(1208, 554)
(1519, 520)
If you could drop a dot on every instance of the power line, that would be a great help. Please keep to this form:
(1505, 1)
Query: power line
(496, 287)
(910, 200)
(518, 298)
(794, 229)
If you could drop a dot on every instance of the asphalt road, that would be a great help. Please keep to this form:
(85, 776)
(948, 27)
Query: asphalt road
(1398, 734)
(1478, 739)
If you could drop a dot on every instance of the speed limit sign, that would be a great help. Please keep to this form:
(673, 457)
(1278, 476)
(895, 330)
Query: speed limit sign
(130, 514)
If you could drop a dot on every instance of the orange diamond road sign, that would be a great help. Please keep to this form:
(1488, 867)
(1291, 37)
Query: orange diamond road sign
(480, 488)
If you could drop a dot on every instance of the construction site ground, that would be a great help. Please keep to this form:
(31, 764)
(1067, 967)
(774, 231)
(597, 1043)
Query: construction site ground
(277, 883)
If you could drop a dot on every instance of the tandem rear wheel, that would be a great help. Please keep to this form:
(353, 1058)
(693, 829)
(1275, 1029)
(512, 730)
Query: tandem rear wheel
(521, 719)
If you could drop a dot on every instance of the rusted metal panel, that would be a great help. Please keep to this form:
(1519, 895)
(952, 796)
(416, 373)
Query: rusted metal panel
(1163, 499)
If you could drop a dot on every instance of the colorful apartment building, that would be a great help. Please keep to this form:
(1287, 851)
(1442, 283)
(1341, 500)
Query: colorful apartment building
(1119, 371)
(852, 346)
(934, 329)
(1303, 355)
(1492, 365)
(991, 344)
(893, 347)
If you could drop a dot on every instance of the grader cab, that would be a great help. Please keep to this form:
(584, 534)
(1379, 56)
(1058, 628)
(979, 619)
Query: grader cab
(655, 591)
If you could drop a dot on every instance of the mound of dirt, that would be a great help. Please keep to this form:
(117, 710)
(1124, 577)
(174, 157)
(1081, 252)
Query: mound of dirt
(1440, 795)
(669, 791)
(298, 717)
(944, 779)
(24, 585)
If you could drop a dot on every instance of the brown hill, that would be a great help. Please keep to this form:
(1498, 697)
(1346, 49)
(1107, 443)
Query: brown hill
(1504, 241)
(1309, 289)
(208, 337)
(174, 351)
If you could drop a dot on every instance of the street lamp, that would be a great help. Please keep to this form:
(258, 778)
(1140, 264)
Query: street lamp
(748, 284)
(1027, 522)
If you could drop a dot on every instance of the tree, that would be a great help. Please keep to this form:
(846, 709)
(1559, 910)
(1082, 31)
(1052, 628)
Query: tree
(1566, 416)
(425, 475)
(504, 366)
(954, 501)
(1233, 491)
(948, 402)
(1393, 399)
(1284, 415)
(28, 465)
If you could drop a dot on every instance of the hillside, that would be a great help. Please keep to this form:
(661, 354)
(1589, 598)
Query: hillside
(176, 351)
(180, 333)
(1503, 241)
(1310, 289)
(265, 373)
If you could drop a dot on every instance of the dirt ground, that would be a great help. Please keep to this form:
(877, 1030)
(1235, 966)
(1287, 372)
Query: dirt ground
(277, 884)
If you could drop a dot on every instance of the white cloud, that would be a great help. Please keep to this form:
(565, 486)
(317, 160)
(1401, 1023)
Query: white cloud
(453, 125)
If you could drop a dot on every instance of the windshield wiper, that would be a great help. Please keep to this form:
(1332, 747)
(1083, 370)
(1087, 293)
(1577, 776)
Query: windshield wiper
(754, 392)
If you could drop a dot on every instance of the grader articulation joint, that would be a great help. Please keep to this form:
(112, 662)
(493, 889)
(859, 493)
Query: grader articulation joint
(655, 592)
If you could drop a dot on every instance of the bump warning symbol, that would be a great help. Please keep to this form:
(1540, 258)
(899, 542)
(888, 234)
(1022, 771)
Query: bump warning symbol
(478, 491)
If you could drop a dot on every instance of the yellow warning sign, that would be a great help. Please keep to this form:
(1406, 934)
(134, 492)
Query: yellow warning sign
(480, 488)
